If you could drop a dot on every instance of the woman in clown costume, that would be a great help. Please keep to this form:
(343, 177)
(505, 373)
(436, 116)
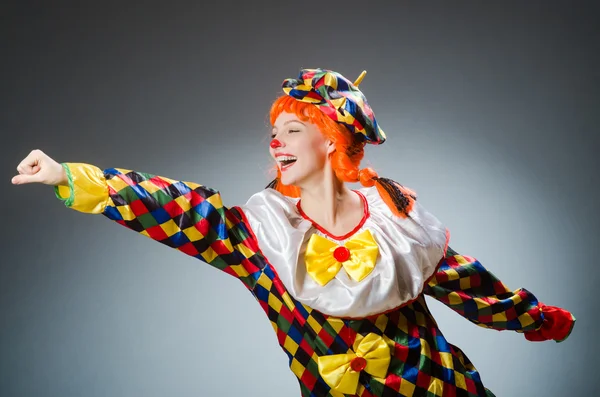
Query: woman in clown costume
(340, 273)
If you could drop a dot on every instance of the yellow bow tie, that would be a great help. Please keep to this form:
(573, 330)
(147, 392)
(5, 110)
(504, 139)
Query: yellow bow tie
(341, 371)
(324, 258)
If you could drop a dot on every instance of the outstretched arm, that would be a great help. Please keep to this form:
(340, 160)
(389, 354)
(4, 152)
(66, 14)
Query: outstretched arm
(182, 215)
(464, 285)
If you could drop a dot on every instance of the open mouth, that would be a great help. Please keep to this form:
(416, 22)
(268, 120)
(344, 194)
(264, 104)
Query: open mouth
(286, 162)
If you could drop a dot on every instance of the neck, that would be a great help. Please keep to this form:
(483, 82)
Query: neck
(330, 203)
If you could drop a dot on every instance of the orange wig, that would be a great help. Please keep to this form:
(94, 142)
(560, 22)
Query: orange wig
(345, 160)
(348, 150)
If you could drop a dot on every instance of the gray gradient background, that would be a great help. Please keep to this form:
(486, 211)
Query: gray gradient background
(491, 111)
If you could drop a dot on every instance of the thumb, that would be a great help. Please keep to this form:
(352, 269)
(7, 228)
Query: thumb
(24, 178)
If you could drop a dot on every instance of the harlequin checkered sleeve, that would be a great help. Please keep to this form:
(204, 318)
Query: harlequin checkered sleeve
(182, 215)
(463, 284)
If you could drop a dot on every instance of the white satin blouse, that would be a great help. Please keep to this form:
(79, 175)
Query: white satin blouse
(409, 251)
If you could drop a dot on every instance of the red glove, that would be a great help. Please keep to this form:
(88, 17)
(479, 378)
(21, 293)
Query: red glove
(557, 325)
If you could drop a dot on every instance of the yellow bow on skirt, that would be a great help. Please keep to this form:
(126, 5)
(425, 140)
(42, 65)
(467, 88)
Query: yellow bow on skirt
(357, 256)
(341, 371)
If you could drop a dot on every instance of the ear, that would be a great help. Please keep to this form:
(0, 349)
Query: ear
(330, 145)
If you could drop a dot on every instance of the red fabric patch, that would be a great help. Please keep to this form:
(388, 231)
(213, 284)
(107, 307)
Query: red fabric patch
(231, 272)
(485, 319)
(393, 381)
(188, 248)
(401, 352)
(511, 314)
(173, 209)
(308, 379)
(449, 390)
(249, 266)
(264, 305)
(156, 181)
(325, 337)
(156, 233)
(286, 313)
(304, 345)
(203, 226)
(348, 335)
(281, 336)
(423, 380)
(138, 208)
(470, 385)
(414, 331)
(194, 198)
(475, 280)
(435, 356)
(299, 317)
(441, 277)
(220, 248)
(330, 112)
(309, 75)
(500, 288)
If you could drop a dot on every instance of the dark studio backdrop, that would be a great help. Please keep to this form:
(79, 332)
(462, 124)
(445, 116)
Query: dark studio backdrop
(491, 112)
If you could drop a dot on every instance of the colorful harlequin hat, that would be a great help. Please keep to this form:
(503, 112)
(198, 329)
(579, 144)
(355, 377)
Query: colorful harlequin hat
(338, 98)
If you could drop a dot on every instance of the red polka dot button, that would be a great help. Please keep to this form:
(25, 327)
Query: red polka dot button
(341, 254)
(358, 364)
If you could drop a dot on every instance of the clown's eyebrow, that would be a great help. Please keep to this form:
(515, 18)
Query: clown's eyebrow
(291, 121)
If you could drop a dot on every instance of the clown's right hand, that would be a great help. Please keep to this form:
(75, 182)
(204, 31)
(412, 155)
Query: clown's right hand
(38, 167)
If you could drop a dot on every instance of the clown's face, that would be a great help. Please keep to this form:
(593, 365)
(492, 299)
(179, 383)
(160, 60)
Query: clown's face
(300, 150)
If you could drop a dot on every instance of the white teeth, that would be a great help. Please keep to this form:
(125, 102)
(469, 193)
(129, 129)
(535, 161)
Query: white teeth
(286, 158)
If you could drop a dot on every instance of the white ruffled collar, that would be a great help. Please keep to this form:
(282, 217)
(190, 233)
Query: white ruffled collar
(409, 251)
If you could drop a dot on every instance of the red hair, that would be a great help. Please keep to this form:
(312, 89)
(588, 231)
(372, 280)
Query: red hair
(348, 153)
(345, 161)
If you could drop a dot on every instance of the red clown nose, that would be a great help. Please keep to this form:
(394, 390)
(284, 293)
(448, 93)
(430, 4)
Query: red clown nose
(275, 144)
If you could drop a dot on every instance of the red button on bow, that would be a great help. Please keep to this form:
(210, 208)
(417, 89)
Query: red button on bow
(341, 254)
(358, 364)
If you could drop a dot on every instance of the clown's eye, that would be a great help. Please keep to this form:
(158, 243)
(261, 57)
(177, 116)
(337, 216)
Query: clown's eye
(294, 130)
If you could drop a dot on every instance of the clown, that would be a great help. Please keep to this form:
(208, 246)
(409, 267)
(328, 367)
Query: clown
(341, 274)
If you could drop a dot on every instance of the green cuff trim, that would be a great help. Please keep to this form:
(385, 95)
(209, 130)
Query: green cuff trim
(570, 329)
(68, 201)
